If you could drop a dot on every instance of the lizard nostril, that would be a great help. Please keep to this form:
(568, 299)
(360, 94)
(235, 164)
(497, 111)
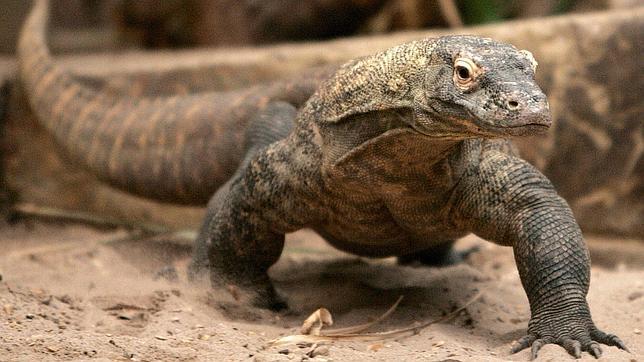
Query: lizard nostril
(513, 105)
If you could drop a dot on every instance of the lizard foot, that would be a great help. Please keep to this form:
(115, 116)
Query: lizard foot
(259, 293)
(573, 336)
(269, 300)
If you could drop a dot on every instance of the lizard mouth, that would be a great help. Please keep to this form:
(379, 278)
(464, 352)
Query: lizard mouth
(472, 124)
(526, 129)
(529, 123)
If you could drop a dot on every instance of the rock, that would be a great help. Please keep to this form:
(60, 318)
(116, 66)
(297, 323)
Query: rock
(635, 295)
(320, 351)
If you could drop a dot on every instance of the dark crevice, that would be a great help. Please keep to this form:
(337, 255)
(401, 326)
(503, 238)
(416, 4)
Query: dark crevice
(7, 197)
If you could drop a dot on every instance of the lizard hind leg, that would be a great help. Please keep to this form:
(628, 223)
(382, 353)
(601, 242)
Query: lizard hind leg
(237, 247)
(442, 254)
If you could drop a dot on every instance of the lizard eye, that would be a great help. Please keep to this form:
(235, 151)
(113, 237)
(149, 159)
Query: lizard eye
(465, 72)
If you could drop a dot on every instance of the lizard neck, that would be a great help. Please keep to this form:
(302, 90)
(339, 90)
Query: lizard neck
(372, 131)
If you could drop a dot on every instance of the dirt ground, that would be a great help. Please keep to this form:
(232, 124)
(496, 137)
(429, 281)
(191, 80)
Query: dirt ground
(76, 293)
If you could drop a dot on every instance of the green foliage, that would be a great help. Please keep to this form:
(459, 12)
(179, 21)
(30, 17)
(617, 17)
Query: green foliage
(482, 11)
(489, 11)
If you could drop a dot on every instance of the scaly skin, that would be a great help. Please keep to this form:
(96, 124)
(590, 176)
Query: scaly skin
(398, 153)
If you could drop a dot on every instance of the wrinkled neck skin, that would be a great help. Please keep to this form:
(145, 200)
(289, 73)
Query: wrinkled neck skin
(441, 121)
(366, 134)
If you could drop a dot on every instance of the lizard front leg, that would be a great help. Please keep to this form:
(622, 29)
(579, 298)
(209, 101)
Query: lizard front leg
(241, 245)
(242, 234)
(506, 200)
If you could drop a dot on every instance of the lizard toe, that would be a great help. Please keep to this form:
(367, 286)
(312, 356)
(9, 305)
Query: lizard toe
(608, 339)
(572, 346)
(536, 346)
(523, 343)
(593, 348)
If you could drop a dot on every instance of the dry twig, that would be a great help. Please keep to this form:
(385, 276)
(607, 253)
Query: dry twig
(351, 333)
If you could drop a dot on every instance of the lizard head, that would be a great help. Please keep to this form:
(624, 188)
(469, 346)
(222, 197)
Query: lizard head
(477, 86)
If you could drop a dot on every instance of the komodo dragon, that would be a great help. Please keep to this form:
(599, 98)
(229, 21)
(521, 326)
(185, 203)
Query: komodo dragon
(399, 153)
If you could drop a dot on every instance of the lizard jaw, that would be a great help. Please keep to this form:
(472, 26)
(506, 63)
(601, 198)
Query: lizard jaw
(533, 120)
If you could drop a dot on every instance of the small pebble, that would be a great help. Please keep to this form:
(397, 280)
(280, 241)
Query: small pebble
(284, 351)
(438, 344)
(635, 295)
(8, 308)
(204, 337)
(162, 338)
(320, 351)
(52, 349)
(637, 331)
(30, 316)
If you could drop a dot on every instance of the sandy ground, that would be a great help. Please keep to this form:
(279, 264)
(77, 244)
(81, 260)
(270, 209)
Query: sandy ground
(75, 293)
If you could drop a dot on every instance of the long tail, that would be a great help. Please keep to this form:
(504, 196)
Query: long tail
(177, 149)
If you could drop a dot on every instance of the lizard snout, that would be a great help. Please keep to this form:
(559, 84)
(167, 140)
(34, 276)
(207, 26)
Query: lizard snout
(537, 112)
(528, 109)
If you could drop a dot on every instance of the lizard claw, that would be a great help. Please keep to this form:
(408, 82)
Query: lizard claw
(573, 347)
(608, 339)
(595, 350)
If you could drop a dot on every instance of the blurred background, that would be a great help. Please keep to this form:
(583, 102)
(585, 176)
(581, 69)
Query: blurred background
(589, 54)
(87, 25)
